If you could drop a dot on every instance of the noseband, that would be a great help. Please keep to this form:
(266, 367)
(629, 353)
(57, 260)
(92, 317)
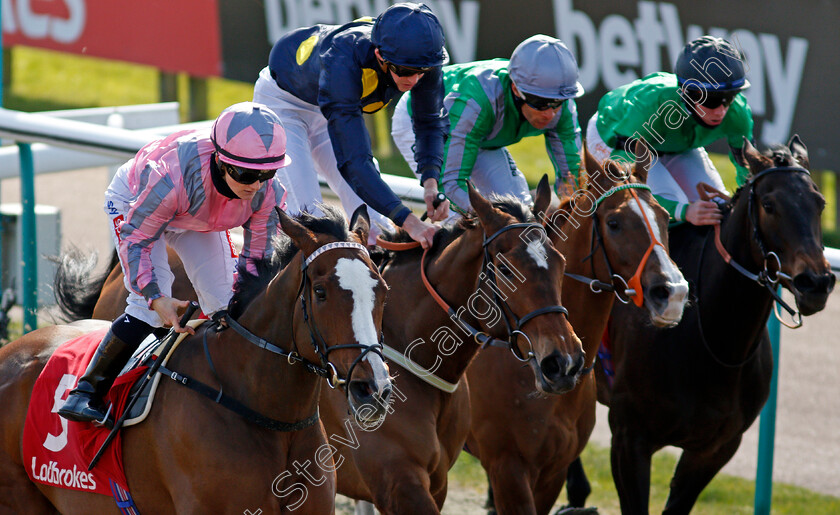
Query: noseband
(488, 273)
(624, 290)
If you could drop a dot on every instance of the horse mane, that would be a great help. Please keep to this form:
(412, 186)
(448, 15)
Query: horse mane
(283, 250)
(448, 233)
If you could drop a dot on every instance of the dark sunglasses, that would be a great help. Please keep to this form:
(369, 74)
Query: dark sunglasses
(541, 103)
(405, 71)
(247, 175)
(712, 100)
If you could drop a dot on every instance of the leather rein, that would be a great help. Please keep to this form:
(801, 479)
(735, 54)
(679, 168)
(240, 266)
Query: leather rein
(488, 273)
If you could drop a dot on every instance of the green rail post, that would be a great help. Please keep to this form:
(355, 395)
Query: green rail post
(29, 241)
(767, 429)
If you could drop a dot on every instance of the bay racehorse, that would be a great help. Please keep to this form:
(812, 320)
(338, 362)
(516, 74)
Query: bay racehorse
(614, 236)
(700, 385)
(500, 279)
(320, 315)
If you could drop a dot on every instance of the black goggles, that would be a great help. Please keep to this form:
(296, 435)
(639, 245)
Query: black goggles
(541, 103)
(405, 71)
(712, 100)
(248, 175)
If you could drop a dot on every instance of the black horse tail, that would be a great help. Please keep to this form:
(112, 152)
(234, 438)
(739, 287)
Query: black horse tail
(77, 288)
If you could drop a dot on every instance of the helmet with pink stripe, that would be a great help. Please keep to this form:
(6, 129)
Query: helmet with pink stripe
(250, 135)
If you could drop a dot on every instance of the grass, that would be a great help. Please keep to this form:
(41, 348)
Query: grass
(726, 494)
(45, 80)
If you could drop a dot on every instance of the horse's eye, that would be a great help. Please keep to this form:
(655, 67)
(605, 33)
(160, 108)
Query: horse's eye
(320, 292)
(613, 224)
(768, 206)
(504, 270)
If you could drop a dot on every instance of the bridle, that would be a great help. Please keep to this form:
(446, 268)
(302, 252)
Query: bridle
(771, 274)
(326, 369)
(624, 290)
(488, 275)
(515, 330)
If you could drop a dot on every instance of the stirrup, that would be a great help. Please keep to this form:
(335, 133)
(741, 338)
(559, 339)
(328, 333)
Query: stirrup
(106, 421)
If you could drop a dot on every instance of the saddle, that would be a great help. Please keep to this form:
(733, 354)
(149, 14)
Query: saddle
(146, 354)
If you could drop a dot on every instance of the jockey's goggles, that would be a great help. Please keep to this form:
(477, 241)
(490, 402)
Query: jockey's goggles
(712, 100)
(541, 103)
(406, 71)
(248, 175)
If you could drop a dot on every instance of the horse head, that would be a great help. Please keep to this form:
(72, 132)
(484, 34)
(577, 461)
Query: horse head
(628, 244)
(784, 206)
(634, 232)
(341, 302)
(520, 258)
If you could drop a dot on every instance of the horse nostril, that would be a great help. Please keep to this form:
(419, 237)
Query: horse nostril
(804, 282)
(830, 279)
(660, 292)
(361, 389)
(552, 365)
(385, 395)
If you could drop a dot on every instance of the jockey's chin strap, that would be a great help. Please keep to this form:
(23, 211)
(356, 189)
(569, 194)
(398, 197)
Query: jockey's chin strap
(487, 273)
(772, 273)
(624, 290)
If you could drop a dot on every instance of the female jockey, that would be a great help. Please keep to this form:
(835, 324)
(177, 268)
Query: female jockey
(320, 80)
(186, 189)
(676, 115)
(493, 104)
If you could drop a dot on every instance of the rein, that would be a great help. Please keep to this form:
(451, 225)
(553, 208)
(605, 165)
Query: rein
(487, 273)
(768, 277)
(326, 370)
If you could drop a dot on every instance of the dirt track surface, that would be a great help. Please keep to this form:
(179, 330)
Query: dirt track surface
(807, 451)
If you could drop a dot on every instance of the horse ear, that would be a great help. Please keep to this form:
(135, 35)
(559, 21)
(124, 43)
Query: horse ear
(750, 157)
(360, 223)
(595, 172)
(799, 151)
(592, 165)
(303, 237)
(483, 207)
(542, 199)
(644, 160)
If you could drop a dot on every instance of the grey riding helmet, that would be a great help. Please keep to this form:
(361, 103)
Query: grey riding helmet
(545, 67)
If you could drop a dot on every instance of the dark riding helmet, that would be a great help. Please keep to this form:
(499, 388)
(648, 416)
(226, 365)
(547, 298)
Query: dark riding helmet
(712, 64)
(409, 34)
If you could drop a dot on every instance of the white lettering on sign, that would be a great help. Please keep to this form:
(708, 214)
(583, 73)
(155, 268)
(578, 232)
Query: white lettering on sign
(460, 27)
(620, 51)
(18, 16)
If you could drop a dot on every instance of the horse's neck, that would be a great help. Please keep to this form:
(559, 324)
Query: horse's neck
(263, 380)
(588, 311)
(454, 276)
(733, 308)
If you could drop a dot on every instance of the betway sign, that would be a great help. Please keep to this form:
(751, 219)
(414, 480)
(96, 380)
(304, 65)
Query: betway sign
(621, 50)
(615, 42)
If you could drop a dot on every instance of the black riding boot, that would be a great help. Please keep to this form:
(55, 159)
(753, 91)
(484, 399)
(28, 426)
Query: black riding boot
(84, 404)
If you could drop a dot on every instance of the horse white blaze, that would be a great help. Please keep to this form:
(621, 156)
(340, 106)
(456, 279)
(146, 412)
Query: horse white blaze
(675, 279)
(536, 249)
(355, 276)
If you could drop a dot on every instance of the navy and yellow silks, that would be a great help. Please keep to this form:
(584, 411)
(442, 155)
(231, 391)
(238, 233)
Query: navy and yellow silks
(335, 68)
